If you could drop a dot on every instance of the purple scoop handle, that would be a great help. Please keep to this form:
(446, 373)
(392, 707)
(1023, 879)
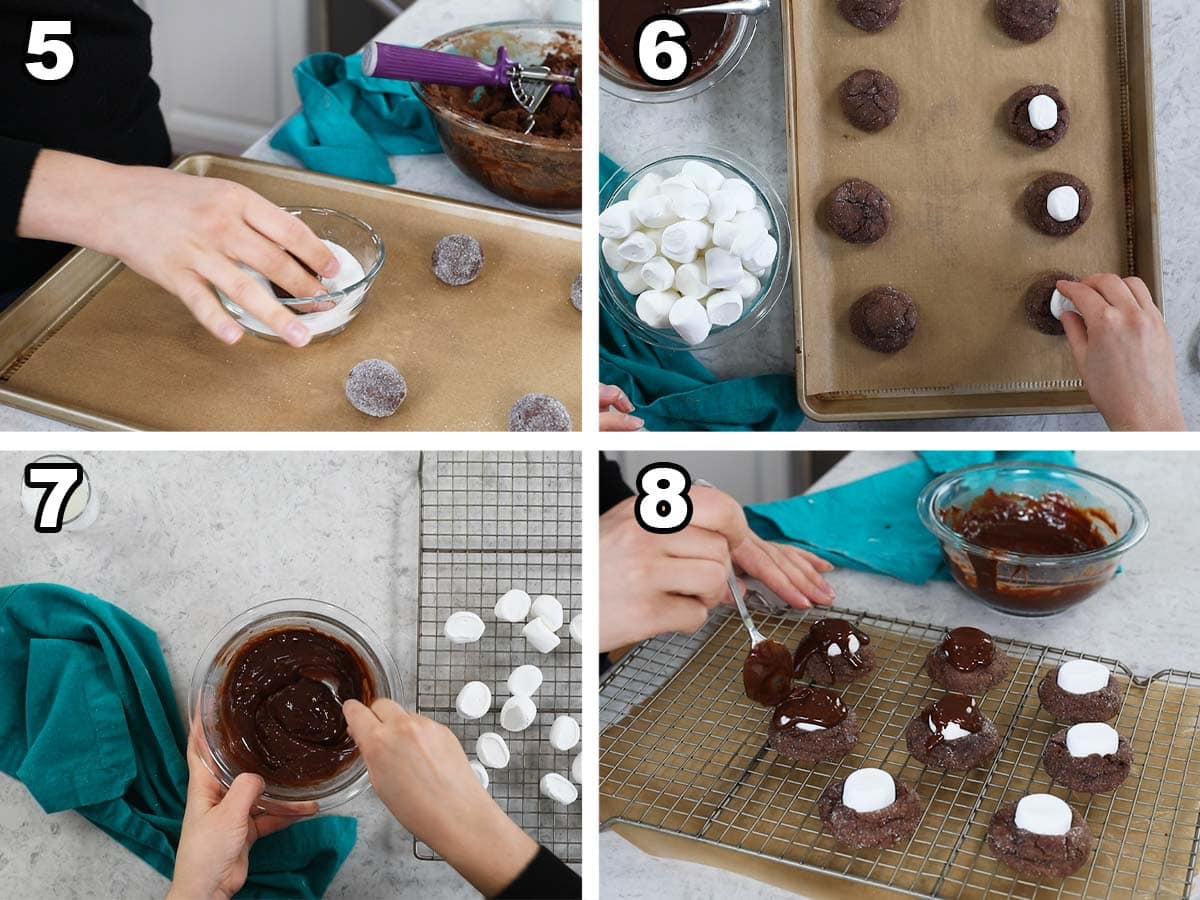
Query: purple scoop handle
(432, 67)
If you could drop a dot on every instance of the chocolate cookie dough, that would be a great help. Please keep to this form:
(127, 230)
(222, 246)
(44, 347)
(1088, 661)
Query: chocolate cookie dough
(576, 296)
(965, 752)
(376, 387)
(1097, 706)
(1039, 856)
(870, 100)
(1020, 123)
(884, 319)
(1092, 774)
(1037, 302)
(457, 259)
(858, 212)
(880, 829)
(538, 412)
(870, 15)
(834, 652)
(832, 726)
(1027, 20)
(1037, 195)
(967, 661)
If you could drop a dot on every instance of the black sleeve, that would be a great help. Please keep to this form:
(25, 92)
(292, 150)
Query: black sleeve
(613, 488)
(16, 165)
(545, 878)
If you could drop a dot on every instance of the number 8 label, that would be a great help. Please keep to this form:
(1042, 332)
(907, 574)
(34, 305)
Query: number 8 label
(663, 505)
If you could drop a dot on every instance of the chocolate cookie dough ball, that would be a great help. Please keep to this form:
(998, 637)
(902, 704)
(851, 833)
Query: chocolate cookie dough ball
(884, 319)
(576, 297)
(868, 808)
(858, 212)
(1058, 204)
(834, 652)
(1080, 691)
(457, 259)
(1038, 116)
(1089, 757)
(967, 661)
(812, 725)
(1040, 302)
(870, 15)
(1027, 20)
(869, 99)
(539, 412)
(1040, 837)
(376, 387)
(952, 734)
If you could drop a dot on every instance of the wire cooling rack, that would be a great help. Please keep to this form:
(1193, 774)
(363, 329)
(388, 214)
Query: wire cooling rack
(682, 751)
(490, 522)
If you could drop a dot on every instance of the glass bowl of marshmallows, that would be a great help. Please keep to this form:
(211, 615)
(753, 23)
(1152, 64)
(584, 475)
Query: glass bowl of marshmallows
(695, 248)
(360, 254)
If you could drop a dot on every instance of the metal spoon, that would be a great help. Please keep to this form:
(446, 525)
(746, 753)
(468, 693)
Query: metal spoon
(767, 671)
(733, 8)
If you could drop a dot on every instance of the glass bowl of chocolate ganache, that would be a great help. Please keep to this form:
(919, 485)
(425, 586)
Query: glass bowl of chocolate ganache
(1031, 539)
(267, 694)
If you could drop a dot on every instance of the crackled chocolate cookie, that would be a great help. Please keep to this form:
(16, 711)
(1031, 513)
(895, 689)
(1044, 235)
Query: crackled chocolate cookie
(1038, 116)
(1027, 20)
(870, 100)
(834, 652)
(1058, 204)
(858, 212)
(1080, 691)
(1040, 837)
(870, 15)
(967, 661)
(884, 319)
(1040, 303)
(813, 725)
(952, 734)
(868, 808)
(1089, 757)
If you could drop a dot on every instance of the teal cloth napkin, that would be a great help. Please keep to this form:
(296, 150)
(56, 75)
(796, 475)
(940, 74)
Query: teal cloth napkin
(350, 124)
(88, 722)
(673, 391)
(872, 524)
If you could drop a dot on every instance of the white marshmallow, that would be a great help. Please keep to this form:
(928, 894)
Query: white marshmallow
(564, 733)
(690, 320)
(756, 271)
(722, 206)
(464, 628)
(654, 307)
(655, 235)
(1043, 112)
(614, 260)
(1062, 203)
(474, 700)
(540, 637)
(658, 274)
(480, 773)
(747, 288)
(524, 680)
(654, 211)
(647, 186)
(513, 606)
(677, 238)
(681, 256)
(1060, 304)
(689, 280)
(747, 239)
(724, 307)
(757, 216)
(852, 643)
(549, 610)
(492, 750)
(631, 279)
(1043, 814)
(680, 180)
(576, 628)
(745, 198)
(785, 721)
(1087, 738)
(703, 176)
(722, 269)
(558, 789)
(687, 202)
(868, 790)
(617, 222)
(1082, 676)
(725, 233)
(637, 248)
(763, 253)
(517, 713)
(577, 768)
(952, 732)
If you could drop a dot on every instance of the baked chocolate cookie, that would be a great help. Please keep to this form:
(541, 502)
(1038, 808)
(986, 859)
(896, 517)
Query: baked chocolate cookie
(870, 15)
(879, 829)
(869, 99)
(1096, 773)
(858, 212)
(1045, 124)
(1096, 706)
(1037, 302)
(1058, 204)
(834, 652)
(936, 736)
(884, 319)
(967, 661)
(1039, 857)
(1027, 20)
(813, 725)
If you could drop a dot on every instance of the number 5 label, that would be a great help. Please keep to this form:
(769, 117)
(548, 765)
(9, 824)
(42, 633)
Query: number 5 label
(42, 43)
(60, 480)
(663, 56)
(663, 505)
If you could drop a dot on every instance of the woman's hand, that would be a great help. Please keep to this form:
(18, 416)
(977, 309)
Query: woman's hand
(794, 575)
(189, 235)
(615, 410)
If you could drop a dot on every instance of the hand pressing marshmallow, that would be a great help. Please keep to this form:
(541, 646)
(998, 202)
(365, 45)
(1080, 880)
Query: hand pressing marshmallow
(616, 411)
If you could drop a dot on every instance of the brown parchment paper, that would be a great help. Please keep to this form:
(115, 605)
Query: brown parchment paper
(134, 354)
(960, 243)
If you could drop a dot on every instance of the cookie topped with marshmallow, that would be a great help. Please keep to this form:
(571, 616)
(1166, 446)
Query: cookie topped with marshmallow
(870, 808)
(1090, 757)
(1041, 837)
(1081, 690)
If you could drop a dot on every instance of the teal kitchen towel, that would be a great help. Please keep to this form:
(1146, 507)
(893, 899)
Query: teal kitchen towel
(350, 124)
(673, 391)
(88, 722)
(872, 524)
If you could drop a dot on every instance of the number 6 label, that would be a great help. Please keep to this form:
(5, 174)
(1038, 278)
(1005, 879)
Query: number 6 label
(41, 44)
(663, 56)
(663, 505)
(60, 480)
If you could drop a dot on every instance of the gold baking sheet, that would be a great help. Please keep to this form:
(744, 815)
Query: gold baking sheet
(685, 772)
(960, 243)
(95, 344)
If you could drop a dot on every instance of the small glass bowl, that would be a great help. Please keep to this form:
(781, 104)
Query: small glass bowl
(620, 83)
(1026, 584)
(213, 665)
(361, 241)
(622, 304)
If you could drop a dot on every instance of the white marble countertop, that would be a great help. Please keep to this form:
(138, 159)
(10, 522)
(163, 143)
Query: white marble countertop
(749, 103)
(1159, 577)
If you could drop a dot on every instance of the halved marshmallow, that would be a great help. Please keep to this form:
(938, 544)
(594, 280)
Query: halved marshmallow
(763, 253)
(492, 750)
(654, 307)
(722, 206)
(1043, 814)
(517, 713)
(558, 789)
(868, 790)
(703, 176)
(1062, 203)
(1087, 738)
(549, 610)
(576, 628)
(687, 202)
(852, 643)
(464, 628)
(952, 732)
(721, 268)
(577, 768)
(689, 280)
(637, 248)
(690, 320)
(748, 287)
(564, 733)
(480, 773)
(654, 211)
(614, 260)
(745, 199)
(724, 307)
(658, 274)
(677, 238)
(524, 680)
(787, 721)
(474, 700)
(617, 222)
(513, 606)
(1059, 304)
(631, 279)
(647, 186)
(1043, 112)
(1082, 676)
(540, 637)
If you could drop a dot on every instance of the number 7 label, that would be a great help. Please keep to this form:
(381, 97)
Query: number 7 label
(60, 480)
